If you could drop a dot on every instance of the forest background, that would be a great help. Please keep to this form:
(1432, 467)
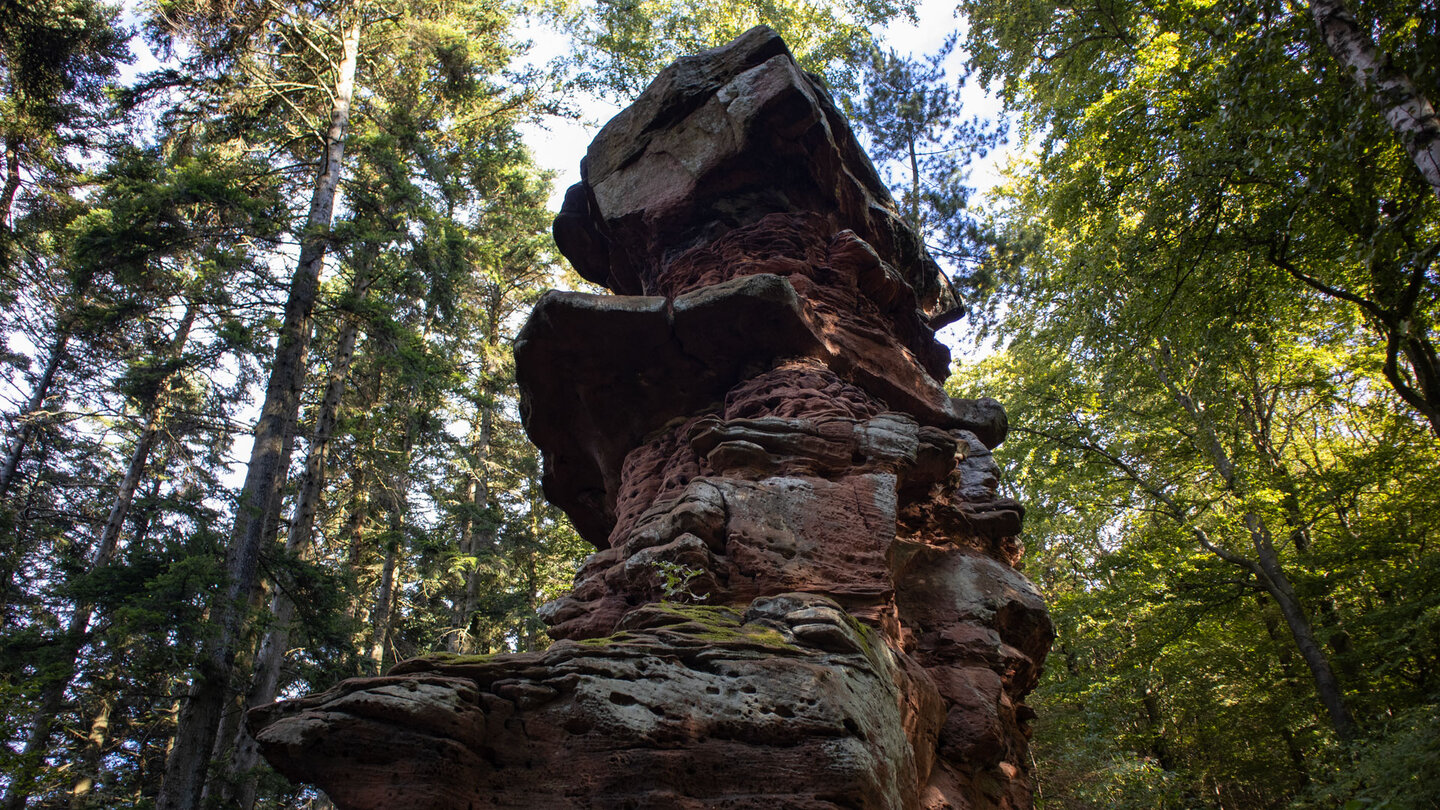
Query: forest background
(261, 432)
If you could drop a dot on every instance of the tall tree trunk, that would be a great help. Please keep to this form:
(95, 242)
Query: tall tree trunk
(1155, 722)
(1410, 114)
(78, 625)
(477, 533)
(1268, 570)
(357, 512)
(461, 640)
(914, 189)
(399, 505)
(1277, 584)
(530, 637)
(27, 420)
(185, 769)
(265, 681)
(380, 613)
(52, 698)
(13, 145)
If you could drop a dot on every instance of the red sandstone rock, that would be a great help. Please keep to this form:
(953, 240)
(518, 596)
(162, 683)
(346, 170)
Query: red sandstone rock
(760, 406)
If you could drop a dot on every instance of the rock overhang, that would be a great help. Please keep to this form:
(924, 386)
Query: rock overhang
(600, 373)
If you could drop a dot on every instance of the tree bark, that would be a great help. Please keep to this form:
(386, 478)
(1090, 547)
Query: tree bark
(1422, 390)
(1267, 567)
(380, 614)
(1277, 584)
(195, 735)
(265, 681)
(90, 759)
(1155, 720)
(28, 418)
(12, 180)
(399, 505)
(476, 532)
(1410, 114)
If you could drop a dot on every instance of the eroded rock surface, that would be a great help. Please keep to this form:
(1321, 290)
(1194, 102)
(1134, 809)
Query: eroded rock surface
(760, 408)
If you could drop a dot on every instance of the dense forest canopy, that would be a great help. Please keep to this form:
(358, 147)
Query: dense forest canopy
(261, 431)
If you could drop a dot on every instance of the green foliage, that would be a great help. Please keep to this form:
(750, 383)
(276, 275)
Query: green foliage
(1223, 140)
(918, 135)
(623, 45)
(675, 579)
(157, 279)
(1391, 769)
(1203, 264)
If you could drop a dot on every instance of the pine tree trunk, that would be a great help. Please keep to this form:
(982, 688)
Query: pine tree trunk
(186, 767)
(265, 681)
(460, 639)
(36, 743)
(12, 181)
(27, 420)
(1410, 114)
(399, 505)
(914, 188)
(380, 614)
(90, 759)
(477, 534)
(357, 512)
(52, 696)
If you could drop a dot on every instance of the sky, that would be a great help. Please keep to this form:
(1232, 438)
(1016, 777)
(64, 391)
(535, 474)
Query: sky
(559, 144)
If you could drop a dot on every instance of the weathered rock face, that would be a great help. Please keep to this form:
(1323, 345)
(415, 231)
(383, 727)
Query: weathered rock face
(759, 411)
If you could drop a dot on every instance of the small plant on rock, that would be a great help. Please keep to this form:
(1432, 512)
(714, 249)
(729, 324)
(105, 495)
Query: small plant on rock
(675, 579)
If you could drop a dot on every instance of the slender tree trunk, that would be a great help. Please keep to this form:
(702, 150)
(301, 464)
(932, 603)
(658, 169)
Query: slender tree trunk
(1267, 567)
(380, 614)
(1155, 720)
(1410, 114)
(1422, 389)
(78, 626)
(530, 637)
(13, 145)
(27, 420)
(195, 736)
(477, 534)
(399, 505)
(1277, 584)
(357, 512)
(914, 189)
(36, 742)
(461, 640)
(265, 682)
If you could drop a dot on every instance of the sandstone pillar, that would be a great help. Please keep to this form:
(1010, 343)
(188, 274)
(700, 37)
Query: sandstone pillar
(804, 594)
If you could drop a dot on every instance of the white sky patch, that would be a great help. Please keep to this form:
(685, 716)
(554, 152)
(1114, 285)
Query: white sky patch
(559, 144)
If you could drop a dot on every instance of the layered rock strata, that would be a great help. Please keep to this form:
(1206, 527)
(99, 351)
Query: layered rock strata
(805, 593)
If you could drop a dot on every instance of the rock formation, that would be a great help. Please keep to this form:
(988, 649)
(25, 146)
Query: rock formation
(804, 594)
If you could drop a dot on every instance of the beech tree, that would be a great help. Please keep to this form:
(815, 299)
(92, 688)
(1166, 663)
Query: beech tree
(1239, 137)
(1217, 313)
